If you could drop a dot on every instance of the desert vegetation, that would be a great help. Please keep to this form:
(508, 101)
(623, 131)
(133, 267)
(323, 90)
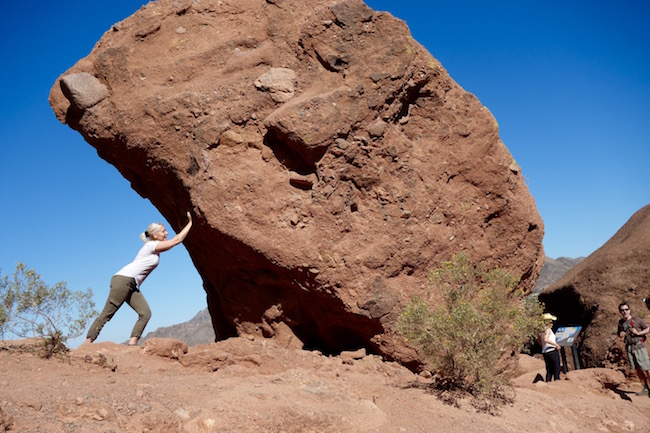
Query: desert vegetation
(31, 308)
(468, 337)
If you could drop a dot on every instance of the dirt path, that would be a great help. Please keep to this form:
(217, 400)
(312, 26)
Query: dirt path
(246, 385)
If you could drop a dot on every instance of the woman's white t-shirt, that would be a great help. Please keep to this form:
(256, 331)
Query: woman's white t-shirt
(546, 347)
(145, 261)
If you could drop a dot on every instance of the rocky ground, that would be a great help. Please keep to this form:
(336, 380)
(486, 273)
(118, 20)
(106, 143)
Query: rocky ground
(252, 385)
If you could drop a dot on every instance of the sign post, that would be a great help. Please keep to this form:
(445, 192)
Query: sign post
(567, 337)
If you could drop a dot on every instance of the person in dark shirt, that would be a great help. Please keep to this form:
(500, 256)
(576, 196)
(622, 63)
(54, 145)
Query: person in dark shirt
(634, 331)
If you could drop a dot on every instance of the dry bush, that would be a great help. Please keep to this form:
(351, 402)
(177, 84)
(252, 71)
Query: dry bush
(483, 317)
(30, 308)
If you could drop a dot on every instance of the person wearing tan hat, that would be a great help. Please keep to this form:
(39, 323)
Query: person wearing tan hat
(634, 331)
(550, 348)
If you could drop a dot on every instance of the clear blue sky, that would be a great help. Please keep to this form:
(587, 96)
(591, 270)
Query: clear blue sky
(568, 82)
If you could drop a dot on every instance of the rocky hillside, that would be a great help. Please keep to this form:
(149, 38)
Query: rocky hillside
(197, 330)
(588, 294)
(553, 270)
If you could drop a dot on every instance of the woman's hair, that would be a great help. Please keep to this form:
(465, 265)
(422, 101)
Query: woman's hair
(153, 228)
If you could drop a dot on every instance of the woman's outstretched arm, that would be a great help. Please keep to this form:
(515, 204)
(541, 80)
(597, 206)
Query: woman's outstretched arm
(180, 236)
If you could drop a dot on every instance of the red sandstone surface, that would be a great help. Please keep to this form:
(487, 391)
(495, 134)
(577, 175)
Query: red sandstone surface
(329, 160)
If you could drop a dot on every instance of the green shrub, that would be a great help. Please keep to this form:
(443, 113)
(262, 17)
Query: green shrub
(483, 317)
(30, 308)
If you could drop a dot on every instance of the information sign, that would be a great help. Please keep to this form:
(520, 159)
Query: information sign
(566, 335)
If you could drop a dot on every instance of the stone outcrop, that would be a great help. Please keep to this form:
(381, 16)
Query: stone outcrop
(329, 160)
(589, 294)
(83, 90)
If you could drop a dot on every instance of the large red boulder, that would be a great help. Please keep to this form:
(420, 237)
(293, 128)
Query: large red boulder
(329, 160)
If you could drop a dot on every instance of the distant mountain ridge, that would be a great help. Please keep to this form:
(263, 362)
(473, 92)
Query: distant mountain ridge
(198, 330)
(553, 270)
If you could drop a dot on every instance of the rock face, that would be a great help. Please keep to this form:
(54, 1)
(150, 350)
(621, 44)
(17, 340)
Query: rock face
(329, 160)
(589, 294)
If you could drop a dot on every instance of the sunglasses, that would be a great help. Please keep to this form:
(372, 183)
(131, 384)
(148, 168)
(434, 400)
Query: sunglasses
(624, 309)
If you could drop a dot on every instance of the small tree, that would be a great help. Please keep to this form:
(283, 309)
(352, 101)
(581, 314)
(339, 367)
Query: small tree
(3, 313)
(483, 317)
(31, 308)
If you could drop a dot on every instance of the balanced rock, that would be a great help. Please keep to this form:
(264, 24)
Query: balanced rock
(329, 160)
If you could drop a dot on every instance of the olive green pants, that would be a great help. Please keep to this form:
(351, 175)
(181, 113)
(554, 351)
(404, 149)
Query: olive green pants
(123, 289)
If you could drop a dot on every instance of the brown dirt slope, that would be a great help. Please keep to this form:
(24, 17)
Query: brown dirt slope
(249, 385)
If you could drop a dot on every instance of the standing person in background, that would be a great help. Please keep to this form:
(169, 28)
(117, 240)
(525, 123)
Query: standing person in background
(634, 331)
(550, 349)
(125, 284)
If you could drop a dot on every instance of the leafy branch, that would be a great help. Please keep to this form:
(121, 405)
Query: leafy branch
(30, 308)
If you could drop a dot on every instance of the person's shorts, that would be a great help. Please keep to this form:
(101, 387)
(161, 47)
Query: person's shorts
(638, 358)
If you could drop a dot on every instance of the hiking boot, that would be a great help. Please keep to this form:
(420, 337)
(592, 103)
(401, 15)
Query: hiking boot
(644, 391)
